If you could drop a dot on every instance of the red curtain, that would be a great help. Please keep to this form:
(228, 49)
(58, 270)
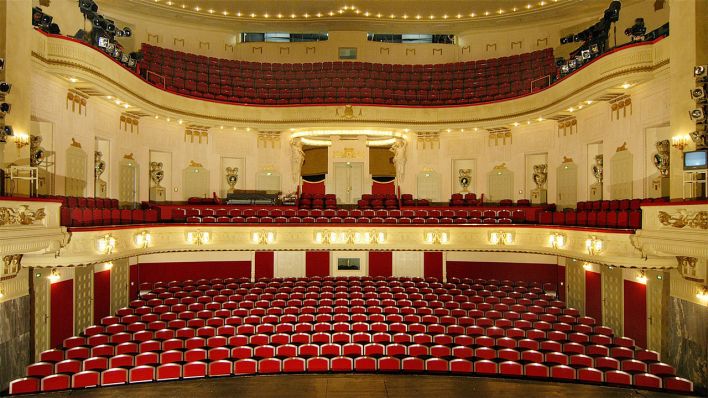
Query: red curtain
(593, 295)
(313, 187)
(317, 264)
(264, 264)
(380, 263)
(101, 295)
(383, 188)
(635, 312)
(62, 311)
(433, 265)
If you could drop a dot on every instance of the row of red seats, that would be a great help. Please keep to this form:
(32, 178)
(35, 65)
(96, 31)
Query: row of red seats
(91, 203)
(378, 201)
(407, 200)
(146, 339)
(626, 219)
(361, 85)
(347, 220)
(85, 217)
(618, 204)
(317, 201)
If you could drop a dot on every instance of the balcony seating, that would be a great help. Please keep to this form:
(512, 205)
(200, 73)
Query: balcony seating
(345, 82)
(218, 327)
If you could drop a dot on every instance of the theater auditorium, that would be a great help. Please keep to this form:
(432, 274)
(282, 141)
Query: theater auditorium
(346, 198)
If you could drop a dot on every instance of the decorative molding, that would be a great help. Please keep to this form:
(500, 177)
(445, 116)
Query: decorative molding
(192, 163)
(466, 48)
(176, 40)
(151, 37)
(687, 268)
(410, 51)
(567, 159)
(428, 138)
(684, 218)
(516, 43)
(205, 44)
(386, 49)
(198, 132)
(259, 49)
(348, 112)
(501, 166)
(500, 133)
(348, 153)
(11, 265)
(308, 49)
(21, 215)
(620, 103)
(267, 139)
(228, 47)
(438, 51)
(77, 99)
(129, 121)
(542, 42)
(568, 126)
(622, 147)
(75, 144)
(284, 50)
(128, 156)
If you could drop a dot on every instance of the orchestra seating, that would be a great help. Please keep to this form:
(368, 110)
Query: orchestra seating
(408, 201)
(212, 328)
(346, 82)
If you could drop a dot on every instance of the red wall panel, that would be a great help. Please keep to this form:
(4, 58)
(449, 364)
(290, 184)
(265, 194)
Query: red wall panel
(134, 285)
(155, 272)
(593, 295)
(62, 311)
(264, 265)
(433, 265)
(542, 273)
(313, 187)
(635, 312)
(317, 264)
(101, 295)
(383, 188)
(380, 263)
(560, 275)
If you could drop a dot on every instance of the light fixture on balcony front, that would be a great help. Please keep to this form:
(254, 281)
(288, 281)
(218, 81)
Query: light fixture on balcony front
(501, 238)
(557, 240)
(369, 237)
(594, 245)
(587, 267)
(143, 239)
(702, 294)
(2, 292)
(263, 237)
(106, 244)
(436, 237)
(198, 237)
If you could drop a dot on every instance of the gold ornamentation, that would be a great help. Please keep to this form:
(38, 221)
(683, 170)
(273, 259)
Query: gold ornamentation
(197, 132)
(129, 121)
(687, 268)
(500, 133)
(192, 163)
(347, 112)
(348, 153)
(21, 216)
(500, 166)
(11, 265)
(620, 103)
(567, 159)
(622, 147)
(697, 220)
(75, 143)
(128, 156)
(567, 125)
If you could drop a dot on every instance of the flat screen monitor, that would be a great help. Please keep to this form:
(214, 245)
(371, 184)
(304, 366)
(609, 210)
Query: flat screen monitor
(695, 160)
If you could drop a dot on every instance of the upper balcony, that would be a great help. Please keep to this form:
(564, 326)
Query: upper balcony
(98, 74)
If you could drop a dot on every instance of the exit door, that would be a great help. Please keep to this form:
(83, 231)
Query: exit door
(348, 181)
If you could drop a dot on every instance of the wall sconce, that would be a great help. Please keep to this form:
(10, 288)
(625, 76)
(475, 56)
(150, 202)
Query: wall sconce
(21, 140)
(501, 238)
(587, 267)
(593, 245)
(108, 265)
(642, 278)
(371, 237)
(198, 237)
(680, 142)
(53, 276)
(436, 237)
(325, 237)
(557, 240)
(2, 292)
(263, 237)
(702, 294)
(106, 244)
(143, 239)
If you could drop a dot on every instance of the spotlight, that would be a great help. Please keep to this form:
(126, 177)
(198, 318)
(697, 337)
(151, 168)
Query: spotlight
(5, 132)
(636, 31)
(5, 87)
(585, 54)
(698, 93)
(572, 64)
(125, 32)
(595, 49)
(4, 108)
(124, 58)
(564, 69)
(103, 42)
(117, 53)
(700, 71)
(697, 114)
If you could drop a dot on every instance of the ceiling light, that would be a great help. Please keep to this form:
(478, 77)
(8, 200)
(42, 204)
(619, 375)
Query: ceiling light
(486, 13)
(459, 15)
(225, 12)
(528, 6)
(417, 17)
(197, 8)
(642, 278)
(211, 11)
(53, 276)
(587, 267)
(626, 86)
(366, 14)
(293, 15)
(473, 15)
(280, 15)
(73, 79)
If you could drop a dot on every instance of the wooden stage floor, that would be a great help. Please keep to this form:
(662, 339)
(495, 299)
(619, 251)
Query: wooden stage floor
(358, 386)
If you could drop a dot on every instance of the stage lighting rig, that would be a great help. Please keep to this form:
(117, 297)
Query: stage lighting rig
(637, 31)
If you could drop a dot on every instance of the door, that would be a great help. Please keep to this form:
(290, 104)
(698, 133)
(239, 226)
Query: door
(567, 185)
(501, 184)
(348, 181)
(128, 182)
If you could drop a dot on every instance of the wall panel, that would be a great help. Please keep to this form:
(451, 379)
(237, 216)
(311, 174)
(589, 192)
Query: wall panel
(317, 264)
(380, 263)
(62, 311)
(593, 295)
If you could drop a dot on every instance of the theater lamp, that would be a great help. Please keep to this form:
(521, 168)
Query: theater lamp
(557, 240)
(702, 295)
(263, 237)
(593, 245)
(587, 267)
(106, 244)
(53, 276)
(501, 238)
(680, 142)
(642, 278)
(436, 237)
(369, 237)
(198, 237)
(143, 239)
(2, 291)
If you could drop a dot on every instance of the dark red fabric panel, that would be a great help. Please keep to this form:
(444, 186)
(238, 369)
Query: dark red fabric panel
(385, 188)
(313, 187)
(635, 312)
(528, 272)
(433, 265)
(62, 311)
(134, 285)
(593, 295)
(560, 275)
(380, 263)
(264, 264)
(165, 272)
(317, 264)
(101, 295)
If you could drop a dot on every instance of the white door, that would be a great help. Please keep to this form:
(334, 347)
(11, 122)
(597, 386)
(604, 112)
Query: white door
(501, 185)
(348, 181)
(128, 182)
(567, 185)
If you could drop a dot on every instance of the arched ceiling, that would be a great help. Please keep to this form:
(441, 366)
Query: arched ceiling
(389, 16)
